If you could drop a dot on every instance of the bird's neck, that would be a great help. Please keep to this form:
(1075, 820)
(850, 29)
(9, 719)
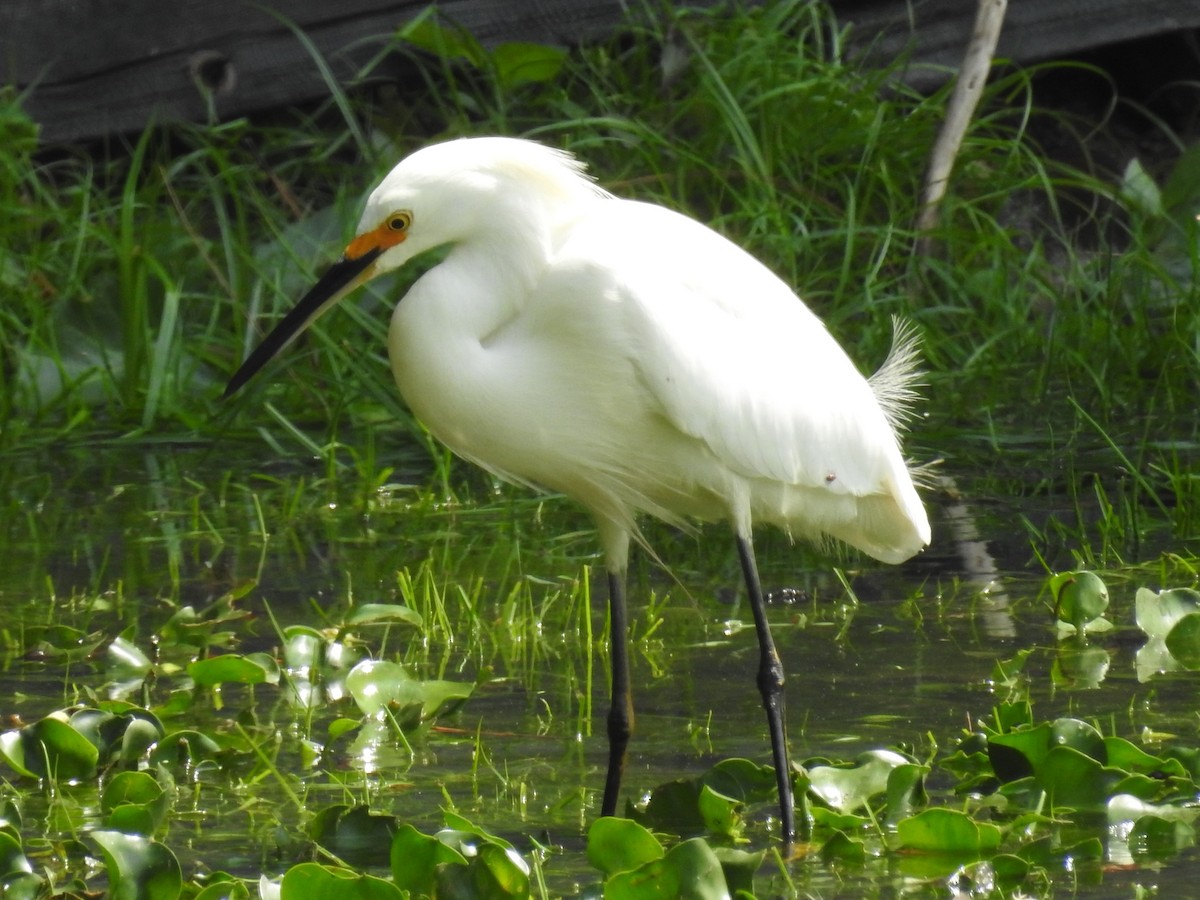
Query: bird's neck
(487, 280)
(445, 332)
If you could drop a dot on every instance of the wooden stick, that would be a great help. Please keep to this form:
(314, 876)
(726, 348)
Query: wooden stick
(968, 89)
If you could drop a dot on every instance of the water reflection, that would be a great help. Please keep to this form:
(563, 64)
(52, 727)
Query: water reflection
(879, 657)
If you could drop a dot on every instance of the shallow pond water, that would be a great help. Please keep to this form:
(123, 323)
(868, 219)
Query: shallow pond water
(114, 541)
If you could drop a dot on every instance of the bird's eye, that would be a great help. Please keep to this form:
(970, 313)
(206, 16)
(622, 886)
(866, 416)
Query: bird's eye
(399, 221)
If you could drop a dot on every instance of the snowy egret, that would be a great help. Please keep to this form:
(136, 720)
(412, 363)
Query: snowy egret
(634, 360)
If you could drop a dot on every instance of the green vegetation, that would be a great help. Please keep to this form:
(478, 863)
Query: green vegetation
(291, 634)
(196, 730)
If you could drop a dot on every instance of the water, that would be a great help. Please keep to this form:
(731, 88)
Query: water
(118, 539)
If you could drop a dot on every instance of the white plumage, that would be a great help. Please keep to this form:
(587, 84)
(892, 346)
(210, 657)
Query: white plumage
(630, 358)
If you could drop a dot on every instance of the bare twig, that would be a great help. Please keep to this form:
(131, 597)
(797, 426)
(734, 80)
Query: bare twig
(968, 89)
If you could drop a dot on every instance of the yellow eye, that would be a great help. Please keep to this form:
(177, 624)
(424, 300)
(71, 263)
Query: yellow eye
(399, 221)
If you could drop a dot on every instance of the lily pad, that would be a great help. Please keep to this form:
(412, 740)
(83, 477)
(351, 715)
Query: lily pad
(1159, 838)
(354, 833)
(233, 668)
(849, 789)
(1080, 599)
(1157, 614)
(689, 869)
(50, 748)
(417, 858)
(312, 881)
(135, 803)
(138, 868)
(378, 687)
(1183, 641)
(620, 845)
(384, 614)
(947, 831)
(1079, 596)
(185, 748)
(1074, 780)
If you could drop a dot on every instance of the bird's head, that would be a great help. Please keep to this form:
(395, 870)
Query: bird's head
(442, 194)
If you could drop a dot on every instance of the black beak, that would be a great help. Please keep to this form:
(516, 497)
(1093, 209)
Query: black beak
(340, 279)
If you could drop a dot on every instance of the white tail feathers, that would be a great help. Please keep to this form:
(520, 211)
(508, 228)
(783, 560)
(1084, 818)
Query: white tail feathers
(895, 383)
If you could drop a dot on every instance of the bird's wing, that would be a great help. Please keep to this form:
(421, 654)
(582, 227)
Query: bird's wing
(734, 358)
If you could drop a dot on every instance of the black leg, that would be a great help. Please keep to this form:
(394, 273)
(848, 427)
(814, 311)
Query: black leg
(770, 686)
(620, 713)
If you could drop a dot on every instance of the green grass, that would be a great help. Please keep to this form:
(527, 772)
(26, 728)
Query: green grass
(1061, 332)
(139, 277)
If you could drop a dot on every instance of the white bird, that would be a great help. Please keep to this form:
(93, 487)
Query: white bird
(634, 360)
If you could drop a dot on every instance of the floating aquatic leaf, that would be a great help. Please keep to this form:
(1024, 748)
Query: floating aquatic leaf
(499, 872)
(1156, 614)
(134, 802)
(1151, 829)
(25, 886)
(1021, 753)
(50, 748)
(339, 727)
(417, 858)
(1079, 735)
(905, 791)
(1153, 658)
(849, 789)
(620, 845)
(739, 868)
(1160, 838)
(379, 686)
(234, 668)
(721, 814)
(138, 868)
(830, 820)
(1074, 780)
(99, 726)
(303, 648)
(1183, 641)
(141, 733)
(1130, 758)
(494, 868)
(1125, 809)
(714, 801)
(1006, 672)
(842, 847)
(1080, 599)
(742, 779)
(127, 658)
(947, 831)
(673, 806)
(185, 748)
(689, 869)
(354, 833)
(312, 881)
(61, 642)
(384, 614)
(461, 832)
(12, 856)
(225, 889)
(1011, 716)
(12, 750)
